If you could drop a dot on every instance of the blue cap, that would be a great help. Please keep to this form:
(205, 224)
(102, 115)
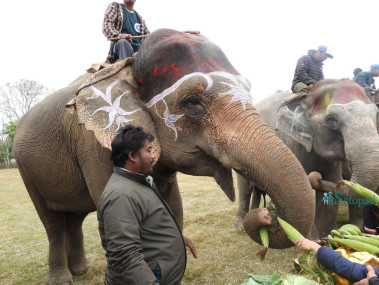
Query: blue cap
(376, 66)
(325, 50)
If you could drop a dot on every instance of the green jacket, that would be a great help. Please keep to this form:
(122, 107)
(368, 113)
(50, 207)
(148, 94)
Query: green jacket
(139, 233)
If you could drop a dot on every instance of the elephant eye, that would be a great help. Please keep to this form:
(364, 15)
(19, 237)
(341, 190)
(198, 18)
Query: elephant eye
(332, 122)
(193, 106)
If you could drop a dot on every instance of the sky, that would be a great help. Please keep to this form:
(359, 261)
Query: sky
(54, 42)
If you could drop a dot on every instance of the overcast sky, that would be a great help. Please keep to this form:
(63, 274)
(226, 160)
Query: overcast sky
(53, 42)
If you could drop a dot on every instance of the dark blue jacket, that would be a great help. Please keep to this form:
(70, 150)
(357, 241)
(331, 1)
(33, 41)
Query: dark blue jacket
(351, 271)
(308, 69)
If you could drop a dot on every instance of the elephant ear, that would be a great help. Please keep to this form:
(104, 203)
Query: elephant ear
(293, 121)
(109, 100)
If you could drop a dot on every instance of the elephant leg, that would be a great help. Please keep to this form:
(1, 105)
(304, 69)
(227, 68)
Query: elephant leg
(245, 190)
(166, 182)
(55, 226)
(256, 198)
(356, 216)
(325, 216)
(77, 261)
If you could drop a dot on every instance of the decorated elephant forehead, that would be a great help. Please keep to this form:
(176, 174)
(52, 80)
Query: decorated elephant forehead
(236, 86)
(344, 94)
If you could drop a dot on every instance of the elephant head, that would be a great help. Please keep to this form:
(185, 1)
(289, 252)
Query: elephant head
(185, 91)
(338, 122)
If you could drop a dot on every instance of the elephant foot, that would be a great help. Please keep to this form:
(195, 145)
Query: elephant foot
(79, 267)
(239, 224)
(60, 279)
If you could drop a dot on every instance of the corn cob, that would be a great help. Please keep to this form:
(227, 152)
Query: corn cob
(371, 236)
(332, 243)
(352, 229)
(364, 239)
(357, 245)
(361, 191)
(263, 232)
(336, 233)
(293, 234)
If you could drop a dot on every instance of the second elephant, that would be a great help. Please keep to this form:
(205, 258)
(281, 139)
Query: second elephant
(335, 124)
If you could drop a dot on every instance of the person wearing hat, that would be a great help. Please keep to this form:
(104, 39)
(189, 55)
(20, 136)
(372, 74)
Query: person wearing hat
(309, 70)
(367, 81)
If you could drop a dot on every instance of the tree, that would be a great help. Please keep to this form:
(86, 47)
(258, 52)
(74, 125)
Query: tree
(17, 98)
(6, 141)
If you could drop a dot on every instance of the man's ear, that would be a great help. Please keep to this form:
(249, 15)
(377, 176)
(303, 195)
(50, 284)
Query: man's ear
(132, 156)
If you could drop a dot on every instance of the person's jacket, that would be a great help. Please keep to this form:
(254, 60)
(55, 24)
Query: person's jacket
(308, 69)
(139, 233)
(351, 271)
(112, 26)
(365, 79)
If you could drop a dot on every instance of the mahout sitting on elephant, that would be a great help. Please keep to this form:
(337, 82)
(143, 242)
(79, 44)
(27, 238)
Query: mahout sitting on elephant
(331, 129)
(182, 89)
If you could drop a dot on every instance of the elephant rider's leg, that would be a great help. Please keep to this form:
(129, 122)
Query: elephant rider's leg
(369, 94)
(77, 261)
(301, 89)
(123, 49)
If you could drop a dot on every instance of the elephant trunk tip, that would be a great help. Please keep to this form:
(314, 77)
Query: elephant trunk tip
(257, 218)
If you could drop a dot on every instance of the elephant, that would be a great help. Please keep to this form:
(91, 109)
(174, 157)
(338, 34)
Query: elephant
(181, 88)
(332, 131)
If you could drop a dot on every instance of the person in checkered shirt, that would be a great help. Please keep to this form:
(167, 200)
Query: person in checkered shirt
(121, 23)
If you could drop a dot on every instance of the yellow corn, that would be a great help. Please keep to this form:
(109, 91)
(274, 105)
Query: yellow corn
(293, 234)
(263, 232)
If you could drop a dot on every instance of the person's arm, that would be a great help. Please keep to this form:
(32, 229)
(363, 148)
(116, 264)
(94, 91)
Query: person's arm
(110, 16)
(302, 70)
(122, 219)
(335, 262)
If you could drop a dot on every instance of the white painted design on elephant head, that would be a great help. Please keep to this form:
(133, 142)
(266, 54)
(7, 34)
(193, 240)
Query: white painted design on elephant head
(115, 112)
(298, 121)
(239, 88)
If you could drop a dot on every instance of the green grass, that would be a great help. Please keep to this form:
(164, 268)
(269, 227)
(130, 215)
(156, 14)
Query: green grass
(226, 255)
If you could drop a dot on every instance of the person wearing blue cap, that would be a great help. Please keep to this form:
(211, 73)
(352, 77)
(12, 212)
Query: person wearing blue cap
(309, 70)
(366, 80)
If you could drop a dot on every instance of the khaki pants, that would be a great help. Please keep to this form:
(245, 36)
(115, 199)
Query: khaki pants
(301, 88)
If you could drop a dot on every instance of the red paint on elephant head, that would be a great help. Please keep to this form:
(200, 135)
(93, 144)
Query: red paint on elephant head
(175, 55)
(329, 92)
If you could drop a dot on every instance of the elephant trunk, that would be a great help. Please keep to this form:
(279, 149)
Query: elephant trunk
(365, 165)
(263, 158)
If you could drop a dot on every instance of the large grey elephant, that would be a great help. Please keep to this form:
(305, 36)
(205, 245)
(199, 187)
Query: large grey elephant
(182, 89)
(334, 126)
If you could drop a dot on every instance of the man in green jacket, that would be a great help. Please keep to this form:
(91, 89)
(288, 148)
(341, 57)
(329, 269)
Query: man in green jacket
(366, 80)
(143, 242)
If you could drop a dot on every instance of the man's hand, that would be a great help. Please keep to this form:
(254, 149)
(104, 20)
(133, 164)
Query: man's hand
(306, 245)
(127, 37)
(370, 273)
(190, 245)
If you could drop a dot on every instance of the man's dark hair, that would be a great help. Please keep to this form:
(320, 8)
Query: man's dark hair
(357, 71)
(129, 139)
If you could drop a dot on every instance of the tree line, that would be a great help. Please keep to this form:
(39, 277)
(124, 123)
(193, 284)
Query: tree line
(15, 100)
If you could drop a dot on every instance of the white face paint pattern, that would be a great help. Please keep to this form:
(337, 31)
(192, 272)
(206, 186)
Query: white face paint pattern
(239, 89)
(115, 112)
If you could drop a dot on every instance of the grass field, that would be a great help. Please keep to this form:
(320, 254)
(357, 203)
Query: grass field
(226, 255)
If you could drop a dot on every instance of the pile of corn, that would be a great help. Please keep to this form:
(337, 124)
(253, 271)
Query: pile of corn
(350, 236)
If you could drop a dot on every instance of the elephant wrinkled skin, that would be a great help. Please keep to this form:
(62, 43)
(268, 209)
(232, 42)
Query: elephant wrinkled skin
(332, 131)
(183, 89)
